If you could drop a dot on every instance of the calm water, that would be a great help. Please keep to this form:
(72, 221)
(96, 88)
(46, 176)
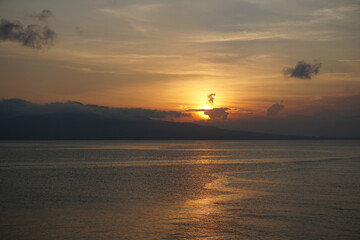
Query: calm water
(180, 190)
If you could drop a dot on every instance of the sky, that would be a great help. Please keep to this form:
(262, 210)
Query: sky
(263, 65)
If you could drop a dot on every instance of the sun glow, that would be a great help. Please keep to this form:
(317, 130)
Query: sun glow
(208, 107)
(202, 114)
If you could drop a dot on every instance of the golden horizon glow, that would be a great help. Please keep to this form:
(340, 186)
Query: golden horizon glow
(207, 107)
(139, 55)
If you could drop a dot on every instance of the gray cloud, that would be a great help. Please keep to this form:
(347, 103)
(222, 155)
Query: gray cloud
(303, 70)
(19, 107)
(45, 15)
(211, 98)
(215, 113)
(274, 109)
(33, 36)
(11, 31)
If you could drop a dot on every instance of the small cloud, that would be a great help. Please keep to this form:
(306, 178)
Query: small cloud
(303, 70)
(44, 15)
(274, 109)
(211, 98)
(33, 36)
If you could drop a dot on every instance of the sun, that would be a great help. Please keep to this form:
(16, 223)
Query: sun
(202, 115)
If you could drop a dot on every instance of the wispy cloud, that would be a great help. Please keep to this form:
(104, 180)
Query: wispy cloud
(92, 70)
(236, 36)
(138, 15)
(44, 15)
(337, 13)
(349, 60)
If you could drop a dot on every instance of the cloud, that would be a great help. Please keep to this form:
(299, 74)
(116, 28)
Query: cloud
(328, 116)
(211, 98)
(213, 37)
(274, 109)
(44, 15)
(215, 113)
(303, 70)
(33, 36)
(349, 60)
(19, 107)
(337, 13)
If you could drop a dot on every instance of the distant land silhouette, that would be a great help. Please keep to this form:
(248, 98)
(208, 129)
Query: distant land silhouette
(22, 120)
(80, 127)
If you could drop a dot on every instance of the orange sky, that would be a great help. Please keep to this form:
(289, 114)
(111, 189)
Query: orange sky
(171, 55)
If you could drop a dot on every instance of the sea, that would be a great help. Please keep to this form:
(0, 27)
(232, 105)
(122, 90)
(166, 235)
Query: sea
(295, 189)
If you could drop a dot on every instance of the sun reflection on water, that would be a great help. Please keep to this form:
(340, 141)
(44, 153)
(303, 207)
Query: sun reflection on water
(207, 215)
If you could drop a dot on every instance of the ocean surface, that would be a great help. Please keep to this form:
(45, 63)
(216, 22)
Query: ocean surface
(180, 190)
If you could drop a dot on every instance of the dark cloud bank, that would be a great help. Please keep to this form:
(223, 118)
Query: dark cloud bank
(303, 70)
(20, 119)
(33, 35)
(19, 107)
(327, 117)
